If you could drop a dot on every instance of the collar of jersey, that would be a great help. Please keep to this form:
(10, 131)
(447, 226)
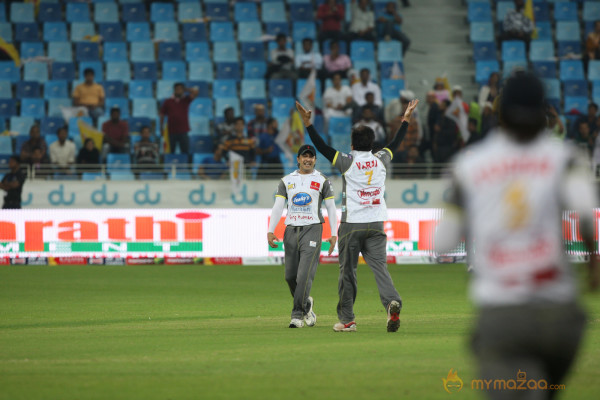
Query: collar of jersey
(298, 173)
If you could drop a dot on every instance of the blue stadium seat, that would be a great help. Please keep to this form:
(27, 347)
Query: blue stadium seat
(568, 31)
(302, 12)
(544, 31)
(483, 69)
(120, 102)
(151, 176)
(221, 32)
(596, 91)
(145, 108)
(174, 70)
(389, 51)
(275, 12)
(6, 31)
(479, 12)
(576, 104)
(50, 12)
(139, 89)
(27, 32)
(202, 87)
(87, 51)
(245, 12)
(145, 70)
(22, 125)
(255, 69)
(571, 70)
(5, 148)
(591, 11)
(228, 70)
(482, 32)
(362, 51)
(97, 66)
(509, 67)
(138, 31)
(199, 126)
(225, 52)
(63, 70)
(565, 11)
(106, 13)
(253, 89)
(390, 88)
(118, 71)
(217, 11)
(134, 12)
(253, 51)
(594, 70)
(117, 162)
(545, 69)
(202, 107)
(22, 12)
(142, 52)
(113, 88)
(249, 106)
(301, 30)
(36, 71)
(552, 87)
(81, 31)
(201, 71)
(194, 32)
(281, 106)
(175, 160)
(115, 51)
(137, 123)
(6, 90)
(60, 51)
(502, 8)
(54, 107)
(92, 176)
(50, 125)
(26, 89)
(35, 108)
(280, 88)
(541, 50)
(569, 48)
(275, 28)
(224, 88)
(189, 11)
(340, 126)
(162, 12)
(249, 31)
(56, 89)
(9, 72)
(513, 50)
(166, 31)
(20, 141)
(110, 32)
(78, 12)
(197, 51)
(201, 144)
(576, 88)
(32, 49)
(169, 51)
(120, 175)
(484, 51)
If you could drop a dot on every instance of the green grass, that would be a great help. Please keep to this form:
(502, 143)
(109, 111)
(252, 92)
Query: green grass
(220, 332)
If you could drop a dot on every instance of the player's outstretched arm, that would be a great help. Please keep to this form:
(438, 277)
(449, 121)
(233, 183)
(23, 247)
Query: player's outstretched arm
(327, 151)
(399, 137)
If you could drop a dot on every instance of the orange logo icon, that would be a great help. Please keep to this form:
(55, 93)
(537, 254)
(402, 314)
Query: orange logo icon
(452, 383)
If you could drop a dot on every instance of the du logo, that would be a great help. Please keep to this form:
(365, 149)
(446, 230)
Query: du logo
(196, 197)
(26, 202)
(244, 197)
(452, 383)
(57, 197)
(142, 196)
(410, 196)
(99, 197)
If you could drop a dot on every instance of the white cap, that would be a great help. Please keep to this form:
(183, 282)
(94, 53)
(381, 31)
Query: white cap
(407, 94)
(457, 88)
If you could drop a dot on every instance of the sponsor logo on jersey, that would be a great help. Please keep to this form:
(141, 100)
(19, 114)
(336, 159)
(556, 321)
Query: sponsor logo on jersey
(369, 193)
(366, 164)
(315, 185)
(301, 199)
(291, 186)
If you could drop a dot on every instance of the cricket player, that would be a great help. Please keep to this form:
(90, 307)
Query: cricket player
(509, 192)
(363, 214)
(305, 190)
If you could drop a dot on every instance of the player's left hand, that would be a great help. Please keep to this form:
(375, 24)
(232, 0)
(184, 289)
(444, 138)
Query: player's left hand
(332, 241)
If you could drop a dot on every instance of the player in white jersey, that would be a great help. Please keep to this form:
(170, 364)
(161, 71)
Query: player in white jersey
(509, 192)
(363, 214)
(305, 190)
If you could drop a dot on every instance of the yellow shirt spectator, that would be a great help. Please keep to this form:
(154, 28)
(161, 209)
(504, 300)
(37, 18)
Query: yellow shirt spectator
(89, 95)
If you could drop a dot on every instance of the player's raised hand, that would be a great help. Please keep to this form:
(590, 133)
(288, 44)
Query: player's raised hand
(304, 114)
(409, 110)
(272, 239)
(332, 241)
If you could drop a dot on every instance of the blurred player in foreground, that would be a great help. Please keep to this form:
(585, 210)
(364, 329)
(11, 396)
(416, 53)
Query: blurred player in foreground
(363, 214)
(304, 189)
(509, 193)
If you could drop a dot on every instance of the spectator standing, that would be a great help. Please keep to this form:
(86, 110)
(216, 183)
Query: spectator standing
(269, 151)
(555, 125)
(331, 14)
(241, 144)
(368, 120)
(362, 25)
(37, 161)
(489, 120)
(361, 88)
(116, 134)
(335, 62)
(88, 158)
(282, 60)
(213, 167)
(225, 128)
(592, 44)
(583, 137)
(90, 94)
(308, 60)
(516, 25)
(433, 111)
(146, 151)
(395, 110)
(258, 125)
(390, 26)
(62, 152)
(12, 184)
(446, 137)
(490, 91)
(337, 99)
(35, 141)
(176, 109)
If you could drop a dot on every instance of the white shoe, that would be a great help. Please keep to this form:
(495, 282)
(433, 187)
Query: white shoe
(349, 327)
(296, 323)
(310, 318)
(393, 319)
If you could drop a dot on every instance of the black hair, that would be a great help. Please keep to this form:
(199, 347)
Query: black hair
(86, 141)
(225, 111)
(473, 121)
(89, 71)
(239, 119)
(144, 127)
(333, 42)
(307, 39)
(365, 69)
(178, 84)
(16, 158)
(362, 138)
(64, 127)
(280, 36)
(594, 105)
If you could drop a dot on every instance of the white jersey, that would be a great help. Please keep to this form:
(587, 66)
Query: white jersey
(513, 196)
(304, 194)
(363, 179)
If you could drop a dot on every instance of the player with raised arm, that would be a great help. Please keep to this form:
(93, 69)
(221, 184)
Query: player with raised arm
(305, 190)
(509, 192)
(363, 214)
